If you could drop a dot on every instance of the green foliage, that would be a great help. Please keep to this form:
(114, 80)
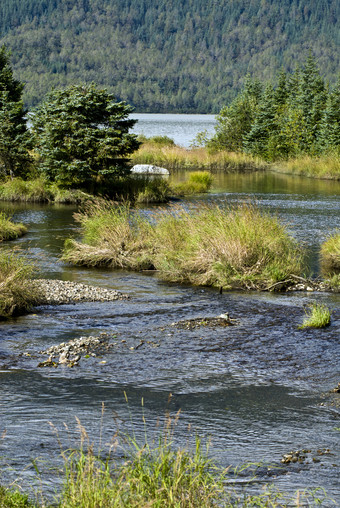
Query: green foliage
(15, 139)
(165, 57)
(317, 316)
(82, 137)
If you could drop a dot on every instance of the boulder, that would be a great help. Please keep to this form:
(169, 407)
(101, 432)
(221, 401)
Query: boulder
(149, 169)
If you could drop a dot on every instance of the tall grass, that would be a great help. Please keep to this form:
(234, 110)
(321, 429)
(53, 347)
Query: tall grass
(325, 166)
(17, 189)
(16, 292)
(330, 255)
(229, 247)
(9, 230)
(175, 157)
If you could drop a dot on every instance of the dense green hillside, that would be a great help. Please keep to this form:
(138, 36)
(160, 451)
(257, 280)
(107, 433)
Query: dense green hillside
(166, 55)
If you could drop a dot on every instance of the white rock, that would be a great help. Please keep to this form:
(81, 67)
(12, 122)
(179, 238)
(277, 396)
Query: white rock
(149, 169)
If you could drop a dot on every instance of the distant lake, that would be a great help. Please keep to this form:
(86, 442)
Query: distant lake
(181, 128)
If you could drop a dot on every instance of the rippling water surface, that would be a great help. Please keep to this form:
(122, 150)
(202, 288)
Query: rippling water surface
(259, 389)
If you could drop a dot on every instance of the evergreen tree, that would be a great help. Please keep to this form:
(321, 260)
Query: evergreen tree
(261, 139)
(15, 139)
(235, 121)
(329, 138)
(82, 136)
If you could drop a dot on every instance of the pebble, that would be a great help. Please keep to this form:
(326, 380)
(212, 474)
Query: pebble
(57, 292)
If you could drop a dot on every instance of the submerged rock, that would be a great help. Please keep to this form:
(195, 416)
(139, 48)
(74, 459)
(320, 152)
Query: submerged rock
(212, 322)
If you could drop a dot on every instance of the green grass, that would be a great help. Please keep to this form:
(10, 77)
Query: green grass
(16, 293)
(317, 316)
(10, 498)
(9, 230)
(197, 183)
(17, 189)
(325, 166)
(330, 255)
(240, 247)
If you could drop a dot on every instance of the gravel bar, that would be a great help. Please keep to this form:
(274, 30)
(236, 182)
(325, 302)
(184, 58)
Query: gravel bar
(57, 292)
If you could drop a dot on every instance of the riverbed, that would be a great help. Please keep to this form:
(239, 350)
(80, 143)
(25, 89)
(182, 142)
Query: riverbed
(257, 390)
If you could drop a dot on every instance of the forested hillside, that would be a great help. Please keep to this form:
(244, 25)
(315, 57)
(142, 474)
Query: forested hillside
(166, 55)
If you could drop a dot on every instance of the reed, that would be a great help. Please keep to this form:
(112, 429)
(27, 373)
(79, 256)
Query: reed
(9, 230)
(241, 247)
(317, 316)
(16, 292)
(325, 166)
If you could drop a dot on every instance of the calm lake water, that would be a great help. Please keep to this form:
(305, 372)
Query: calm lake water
(181, 128)
(258, 390)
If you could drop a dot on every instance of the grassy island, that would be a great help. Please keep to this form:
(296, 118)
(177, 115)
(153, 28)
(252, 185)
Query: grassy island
(238, 247)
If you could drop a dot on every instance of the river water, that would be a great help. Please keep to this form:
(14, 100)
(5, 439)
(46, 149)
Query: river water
(258, 389)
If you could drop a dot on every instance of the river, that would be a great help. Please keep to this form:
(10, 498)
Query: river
(258, 389)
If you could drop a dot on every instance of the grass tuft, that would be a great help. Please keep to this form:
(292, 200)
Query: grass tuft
(317, 316)
(197, 183)
(10, 230)
(16, 293)
(330, 256)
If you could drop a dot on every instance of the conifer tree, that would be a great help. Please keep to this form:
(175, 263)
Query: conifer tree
(15, 139)
(329, 138)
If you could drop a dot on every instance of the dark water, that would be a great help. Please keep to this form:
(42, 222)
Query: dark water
(258, 389)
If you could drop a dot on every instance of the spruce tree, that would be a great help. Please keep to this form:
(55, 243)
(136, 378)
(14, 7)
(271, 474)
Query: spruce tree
(82, 135)
(329, 137)
(15, 139)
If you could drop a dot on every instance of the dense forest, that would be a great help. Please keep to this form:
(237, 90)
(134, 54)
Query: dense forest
(166, 56)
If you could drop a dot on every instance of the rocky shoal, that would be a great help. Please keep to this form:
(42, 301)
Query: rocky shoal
(57, 292)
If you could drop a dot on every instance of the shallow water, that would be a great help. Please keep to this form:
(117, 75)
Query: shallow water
(259, 389)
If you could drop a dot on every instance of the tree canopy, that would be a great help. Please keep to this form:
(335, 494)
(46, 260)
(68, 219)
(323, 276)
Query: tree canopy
(82, 136)
(184, 56)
